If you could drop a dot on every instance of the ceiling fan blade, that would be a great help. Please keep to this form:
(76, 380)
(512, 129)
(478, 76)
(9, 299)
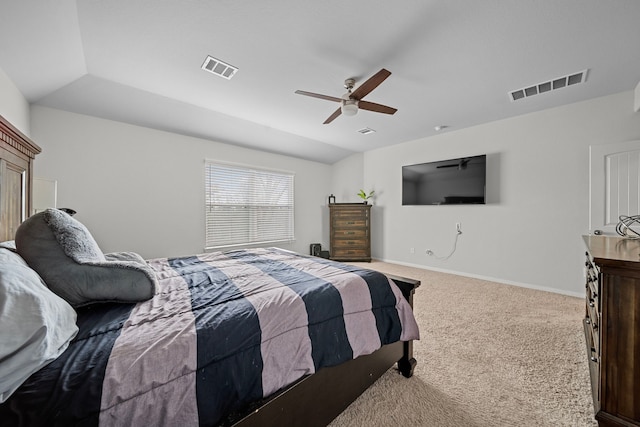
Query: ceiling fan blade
(333, 116)
(378, 108)
(370, 84)
(317, 95)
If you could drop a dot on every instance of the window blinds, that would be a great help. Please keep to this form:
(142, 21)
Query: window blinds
(247, 206)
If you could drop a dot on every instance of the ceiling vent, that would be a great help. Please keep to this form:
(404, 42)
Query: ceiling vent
(366, 131)
(219, 68)
(549, 86)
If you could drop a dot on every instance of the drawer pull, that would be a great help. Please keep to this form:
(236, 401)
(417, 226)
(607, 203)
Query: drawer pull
(591, 304)
(588, 321)
(593, 359)
(349, 232)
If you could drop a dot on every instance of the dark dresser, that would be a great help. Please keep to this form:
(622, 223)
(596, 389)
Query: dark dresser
(612, 328)
(350, 231)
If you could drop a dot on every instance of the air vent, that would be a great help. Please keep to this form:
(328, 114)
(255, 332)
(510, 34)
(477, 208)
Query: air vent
(366, 131)
(219, 68)
(548, 86)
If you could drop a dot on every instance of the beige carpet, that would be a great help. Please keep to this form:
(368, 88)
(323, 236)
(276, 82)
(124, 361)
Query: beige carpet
(489, 355)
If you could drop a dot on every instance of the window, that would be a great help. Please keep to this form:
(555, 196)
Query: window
(246, 205)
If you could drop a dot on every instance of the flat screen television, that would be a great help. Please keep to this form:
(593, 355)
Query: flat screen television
(447, 182)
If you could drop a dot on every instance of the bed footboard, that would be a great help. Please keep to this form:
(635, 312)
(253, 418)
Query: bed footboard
(407, 363)
(315, 400)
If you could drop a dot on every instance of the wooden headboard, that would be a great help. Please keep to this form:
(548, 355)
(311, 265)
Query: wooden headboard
(17, 152)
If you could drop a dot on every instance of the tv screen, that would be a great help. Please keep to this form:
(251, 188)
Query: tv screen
(447, 182)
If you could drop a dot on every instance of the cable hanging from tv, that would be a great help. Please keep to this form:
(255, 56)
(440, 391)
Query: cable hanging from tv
(455, 245)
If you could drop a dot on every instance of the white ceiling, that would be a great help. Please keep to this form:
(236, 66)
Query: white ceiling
(453, 63)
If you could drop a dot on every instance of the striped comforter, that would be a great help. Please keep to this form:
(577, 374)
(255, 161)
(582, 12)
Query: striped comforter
(224, 329)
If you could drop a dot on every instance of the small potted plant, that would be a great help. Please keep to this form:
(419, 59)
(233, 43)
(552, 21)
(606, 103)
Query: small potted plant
(364, 196)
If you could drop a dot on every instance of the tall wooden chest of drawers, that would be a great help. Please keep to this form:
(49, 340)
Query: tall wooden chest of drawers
(612, 328)
(350, 232)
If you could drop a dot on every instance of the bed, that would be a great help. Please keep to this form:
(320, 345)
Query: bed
(260, 337)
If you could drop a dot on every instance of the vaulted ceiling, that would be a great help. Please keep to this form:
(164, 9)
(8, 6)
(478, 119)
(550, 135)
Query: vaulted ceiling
(453, 63)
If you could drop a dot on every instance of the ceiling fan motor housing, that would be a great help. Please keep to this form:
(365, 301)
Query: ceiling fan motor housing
(349, 83)
(349, 105)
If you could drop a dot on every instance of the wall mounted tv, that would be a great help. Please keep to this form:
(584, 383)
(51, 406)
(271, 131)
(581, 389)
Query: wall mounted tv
(448, 182)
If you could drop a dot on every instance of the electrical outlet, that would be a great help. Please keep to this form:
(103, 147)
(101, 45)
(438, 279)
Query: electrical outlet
(412, 250)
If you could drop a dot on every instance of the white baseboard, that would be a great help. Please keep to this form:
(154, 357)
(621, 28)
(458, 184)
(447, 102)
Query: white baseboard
(487, 278)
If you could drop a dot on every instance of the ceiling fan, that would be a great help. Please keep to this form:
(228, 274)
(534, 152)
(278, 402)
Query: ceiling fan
(352, 100)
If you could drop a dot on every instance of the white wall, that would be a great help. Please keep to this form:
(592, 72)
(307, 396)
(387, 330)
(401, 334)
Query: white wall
(538, 191)
(13, 106)
(348, 178)
(142, 190)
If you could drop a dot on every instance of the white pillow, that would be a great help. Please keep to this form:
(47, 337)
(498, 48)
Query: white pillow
(37, 325)
(9, 244)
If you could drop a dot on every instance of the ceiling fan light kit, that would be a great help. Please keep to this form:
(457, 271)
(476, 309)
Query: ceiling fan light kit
(351, 102)
(349, 107)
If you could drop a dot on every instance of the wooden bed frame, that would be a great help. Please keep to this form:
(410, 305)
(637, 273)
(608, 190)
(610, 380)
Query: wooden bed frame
(17, 152)
(314, 400)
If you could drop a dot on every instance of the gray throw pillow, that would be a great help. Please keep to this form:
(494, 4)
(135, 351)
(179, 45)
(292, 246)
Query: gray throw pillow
(63, 252)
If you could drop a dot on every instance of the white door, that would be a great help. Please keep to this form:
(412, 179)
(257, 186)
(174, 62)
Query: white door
(614, 185)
